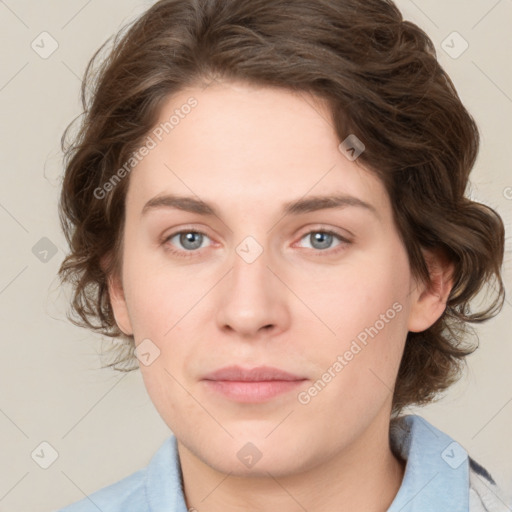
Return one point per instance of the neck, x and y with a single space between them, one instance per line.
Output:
364 476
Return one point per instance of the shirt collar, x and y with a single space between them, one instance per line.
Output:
164 485
437 469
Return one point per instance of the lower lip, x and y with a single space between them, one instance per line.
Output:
253 392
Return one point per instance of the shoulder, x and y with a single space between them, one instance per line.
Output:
127 495
484 493
157 486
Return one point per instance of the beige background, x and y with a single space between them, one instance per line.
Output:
102 424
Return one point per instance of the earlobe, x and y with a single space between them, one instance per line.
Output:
430 301
118 303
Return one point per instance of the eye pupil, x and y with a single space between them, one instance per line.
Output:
325 239
188 237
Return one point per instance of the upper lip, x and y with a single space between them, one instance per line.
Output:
257 374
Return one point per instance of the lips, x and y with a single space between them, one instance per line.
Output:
252 385
258 374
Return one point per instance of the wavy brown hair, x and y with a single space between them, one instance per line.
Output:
382 82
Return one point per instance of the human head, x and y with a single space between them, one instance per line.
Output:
380 79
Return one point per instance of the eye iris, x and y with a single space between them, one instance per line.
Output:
321 237
189 237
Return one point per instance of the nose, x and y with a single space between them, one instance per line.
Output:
252 300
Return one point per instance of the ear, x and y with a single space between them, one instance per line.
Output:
118 300
430 301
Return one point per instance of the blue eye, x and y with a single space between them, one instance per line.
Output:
322 239
190 240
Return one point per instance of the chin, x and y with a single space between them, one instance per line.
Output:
280 466
255 456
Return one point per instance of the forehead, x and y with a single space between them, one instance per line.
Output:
251 145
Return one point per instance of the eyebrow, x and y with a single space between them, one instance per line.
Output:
297 207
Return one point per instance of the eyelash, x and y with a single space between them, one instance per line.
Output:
191 254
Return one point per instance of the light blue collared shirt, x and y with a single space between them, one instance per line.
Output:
436 476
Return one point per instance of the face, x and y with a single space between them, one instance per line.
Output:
263 275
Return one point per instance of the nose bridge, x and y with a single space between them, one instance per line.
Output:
252 297
250 276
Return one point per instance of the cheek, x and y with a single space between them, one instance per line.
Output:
350 298
158 296
366 307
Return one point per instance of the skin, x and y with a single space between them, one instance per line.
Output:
297 306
